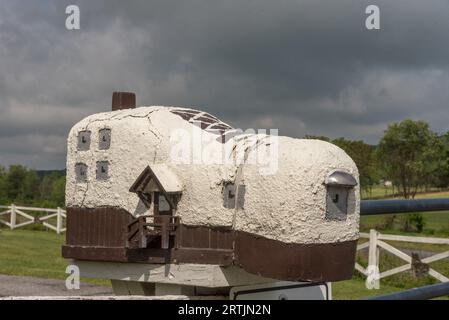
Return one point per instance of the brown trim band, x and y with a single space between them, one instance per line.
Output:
153 256
294 262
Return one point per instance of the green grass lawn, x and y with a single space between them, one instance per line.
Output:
34 253
436 223
355 289
379 192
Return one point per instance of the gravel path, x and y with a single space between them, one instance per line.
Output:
30 286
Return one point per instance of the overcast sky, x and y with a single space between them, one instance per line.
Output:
305 67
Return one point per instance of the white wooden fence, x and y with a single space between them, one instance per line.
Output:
376 242
13 212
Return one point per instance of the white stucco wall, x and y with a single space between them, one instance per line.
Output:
292 203
288 206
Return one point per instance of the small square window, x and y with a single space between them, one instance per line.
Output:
340 190
104 139
234 196
81 172
337 203
229 196
102 170
84 140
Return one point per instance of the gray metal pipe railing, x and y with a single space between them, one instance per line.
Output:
421 293
375 207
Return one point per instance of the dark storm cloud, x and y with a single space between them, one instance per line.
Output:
301 66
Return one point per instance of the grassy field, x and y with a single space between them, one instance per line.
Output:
34 253
437 223
355 289
379 192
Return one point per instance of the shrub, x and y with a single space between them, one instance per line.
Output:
387 223
413 222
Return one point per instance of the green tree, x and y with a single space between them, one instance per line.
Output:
441 175
3 196
364 156
30 188
23 186
58 191
14 182
408 152
46 187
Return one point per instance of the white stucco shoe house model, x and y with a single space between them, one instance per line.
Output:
152 188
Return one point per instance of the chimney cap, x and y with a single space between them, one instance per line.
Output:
123 100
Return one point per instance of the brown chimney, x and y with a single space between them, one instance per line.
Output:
123 100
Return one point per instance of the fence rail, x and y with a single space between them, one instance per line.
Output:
376 242
13 212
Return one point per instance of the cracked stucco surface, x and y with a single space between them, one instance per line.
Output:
291 205
288 206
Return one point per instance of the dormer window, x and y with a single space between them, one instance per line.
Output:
160 185
104 142
102 171
340 191
164 205
81 172
84 140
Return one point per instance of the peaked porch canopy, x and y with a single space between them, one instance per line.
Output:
157 178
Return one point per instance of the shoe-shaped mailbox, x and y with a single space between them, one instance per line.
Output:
171 185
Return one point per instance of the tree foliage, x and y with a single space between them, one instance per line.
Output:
410 154
363 155
23 186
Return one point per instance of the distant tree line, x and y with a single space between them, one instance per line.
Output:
23 186
409 154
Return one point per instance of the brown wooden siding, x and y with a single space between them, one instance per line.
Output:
106 227
205 238
100 227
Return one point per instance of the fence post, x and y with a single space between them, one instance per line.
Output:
59 221
373 256
372 281
13 217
